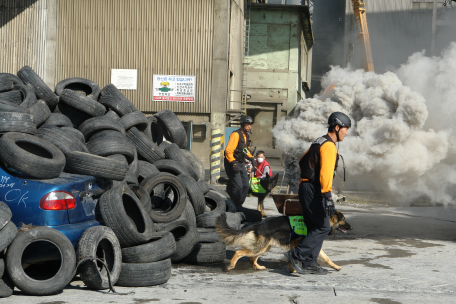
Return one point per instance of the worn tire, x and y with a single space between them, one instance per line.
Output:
6 86
112 115
172 128
40 112
170 166
186 237
99 242
77 84
59 120
234 220
195 194
97 166
230 207
34 156
5 215
161 246
61 139
143 196
173 152
35 287
207 251
98 124
195 163
6 106
113 99
42 91
153 130
144 146
203 186
7 235
74 133
12 96
165 144
6 286
133 170
110 142
145 274
28 96
122 211
146 169
134 119
209 233
82 103
10 77
16 122
165 213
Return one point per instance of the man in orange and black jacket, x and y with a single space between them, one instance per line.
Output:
318 167
236 152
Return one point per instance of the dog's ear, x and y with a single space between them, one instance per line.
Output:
276 177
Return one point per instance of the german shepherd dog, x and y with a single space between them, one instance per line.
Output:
257 239
268 183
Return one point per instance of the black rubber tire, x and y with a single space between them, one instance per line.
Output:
74 133
143 197
215 201
230 207
207 220
161 246
235 220
145 274
82 103
6 286
17 122
42 91
97 166
28 97
217 205
113 99
90 88
165 144
170 166
12 96
40 112
153 130
209 233
98 124
195 163
34 156
203 186
59 120
186 237
61 139
35 287
112 115
99 242
7 235
144 146
250 215
172 128
133 170
110 142
118 157
5 215
134 119
122 211
173 152
6 106
195 194
10 77
163 213
6 86
146 169
207 251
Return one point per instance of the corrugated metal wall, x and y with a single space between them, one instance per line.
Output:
171 37
22 35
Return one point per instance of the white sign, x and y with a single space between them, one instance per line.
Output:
124 79
174 88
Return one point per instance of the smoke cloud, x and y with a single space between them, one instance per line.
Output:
401 141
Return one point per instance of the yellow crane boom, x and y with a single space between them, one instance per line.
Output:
363 35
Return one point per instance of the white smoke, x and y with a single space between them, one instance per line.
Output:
402 139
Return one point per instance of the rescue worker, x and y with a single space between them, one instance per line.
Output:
318 167
236 152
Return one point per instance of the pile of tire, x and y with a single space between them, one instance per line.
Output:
159 210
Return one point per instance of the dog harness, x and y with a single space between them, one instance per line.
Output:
297 225
256 186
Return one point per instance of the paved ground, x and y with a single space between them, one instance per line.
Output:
393 255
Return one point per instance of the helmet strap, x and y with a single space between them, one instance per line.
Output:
337 134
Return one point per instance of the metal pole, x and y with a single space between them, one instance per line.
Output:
434 21
216 145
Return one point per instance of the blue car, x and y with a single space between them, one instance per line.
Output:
66 203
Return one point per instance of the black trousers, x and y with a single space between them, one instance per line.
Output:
317 223
238 184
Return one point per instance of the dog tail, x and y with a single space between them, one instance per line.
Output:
230 236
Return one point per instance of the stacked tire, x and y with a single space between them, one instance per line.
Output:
8 232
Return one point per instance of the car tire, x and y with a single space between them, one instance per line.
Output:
209 233
6 286
207 251
113 99
143 196
145 274
6 106
28 96
111 115
7 235
170 166
195 194
17 122
186 237
153 130
165 144
195 163
110 142
40 112
10 77
172 128
23 281
12 96
97 166
146 169
60 139
122 211
135 119
230 207
74 115
33 156
234 220
77 84
82 103
5 215
203 186
6 86
74 133
133 171
42 91
98 124
161 246
58 120
173 152
99 242
144 146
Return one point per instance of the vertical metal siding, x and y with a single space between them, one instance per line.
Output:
171 37
22 35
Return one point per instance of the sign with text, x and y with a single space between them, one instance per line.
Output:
174 88
124 79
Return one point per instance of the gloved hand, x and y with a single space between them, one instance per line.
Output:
253 161
329 204
236 168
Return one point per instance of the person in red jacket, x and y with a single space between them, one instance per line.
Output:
262 171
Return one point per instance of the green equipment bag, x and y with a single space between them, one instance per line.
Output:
256 186
297 225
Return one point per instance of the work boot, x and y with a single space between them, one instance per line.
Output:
314 269
297 265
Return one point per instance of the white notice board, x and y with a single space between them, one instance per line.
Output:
174 88
124 79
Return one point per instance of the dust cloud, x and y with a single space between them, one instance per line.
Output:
402 140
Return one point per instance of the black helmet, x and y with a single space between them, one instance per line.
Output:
245 119
339 119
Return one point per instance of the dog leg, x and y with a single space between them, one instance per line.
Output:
261 204
292 270
237 255
253 261
322 256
